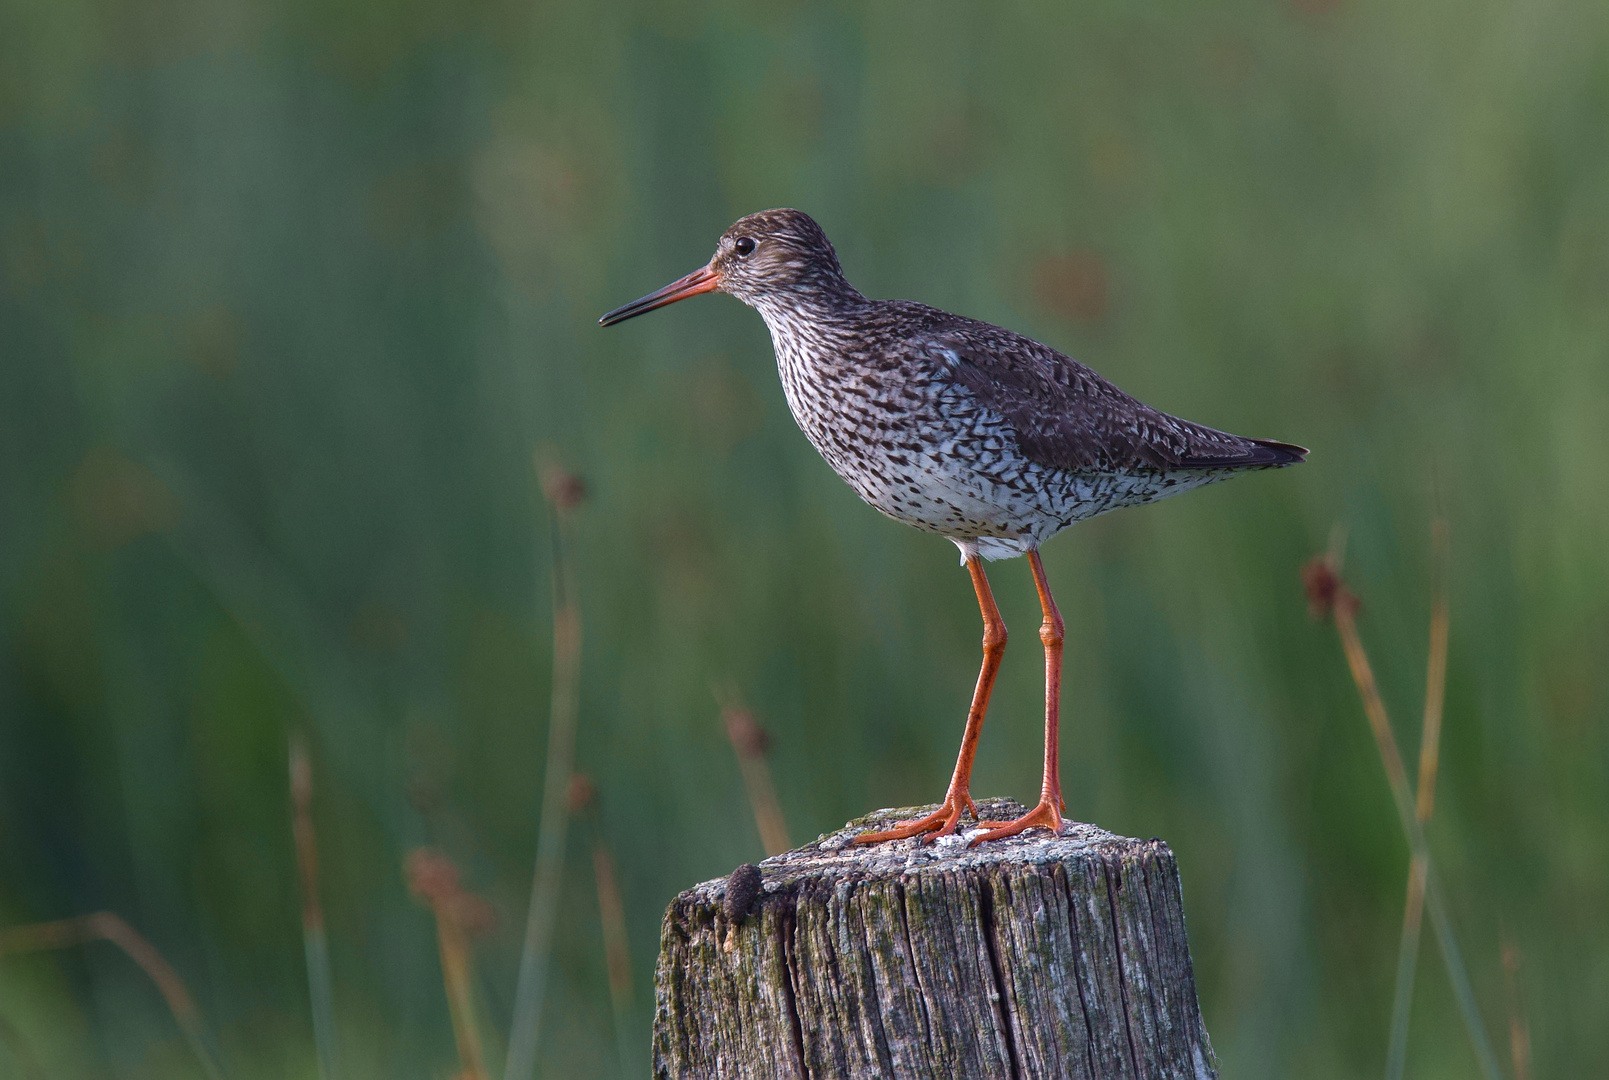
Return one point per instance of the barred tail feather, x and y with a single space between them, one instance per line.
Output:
1259 454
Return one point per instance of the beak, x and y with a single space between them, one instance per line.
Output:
702 280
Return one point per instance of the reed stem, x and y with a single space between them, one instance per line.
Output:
433 878
583 802
1424 805
1435 678
751 742
1519 1028
1407 962
455 976
565 493
106 926
1327 592
612 914
320 994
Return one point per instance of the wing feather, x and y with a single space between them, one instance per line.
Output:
1066 416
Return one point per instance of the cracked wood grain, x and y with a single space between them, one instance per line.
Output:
1031 957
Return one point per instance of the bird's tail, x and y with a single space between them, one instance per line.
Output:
1249 454
1269 452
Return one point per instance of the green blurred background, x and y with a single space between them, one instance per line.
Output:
291 294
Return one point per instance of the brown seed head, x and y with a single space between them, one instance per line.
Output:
564 489
1325 590
581 793
748 738
301 770
433 879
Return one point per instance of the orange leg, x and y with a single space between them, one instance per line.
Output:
958 798
1048 814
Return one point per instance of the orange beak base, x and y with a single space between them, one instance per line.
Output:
702 280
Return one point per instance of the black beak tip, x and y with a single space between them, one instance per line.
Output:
628 311
699 281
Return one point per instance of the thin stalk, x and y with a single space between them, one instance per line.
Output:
612 914
1458 976
1328 592
1519 1029
750 741
454 947
1435 680
1374 708
583 800
320 995
106 926
1424 806
1407 961
565 493
433 878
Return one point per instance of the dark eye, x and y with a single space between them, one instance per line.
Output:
743 245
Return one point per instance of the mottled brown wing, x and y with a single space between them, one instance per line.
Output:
1068 417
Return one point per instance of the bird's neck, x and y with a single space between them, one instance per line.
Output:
812 312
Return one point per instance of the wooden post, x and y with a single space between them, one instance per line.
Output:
1037 956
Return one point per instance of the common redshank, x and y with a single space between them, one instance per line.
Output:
963 429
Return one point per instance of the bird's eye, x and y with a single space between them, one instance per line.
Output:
743 245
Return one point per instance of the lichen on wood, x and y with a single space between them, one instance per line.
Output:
1036 956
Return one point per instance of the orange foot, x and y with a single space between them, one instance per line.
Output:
1043 816
941 822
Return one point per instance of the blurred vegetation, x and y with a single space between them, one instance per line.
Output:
292 293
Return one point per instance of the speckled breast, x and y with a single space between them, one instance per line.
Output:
921 450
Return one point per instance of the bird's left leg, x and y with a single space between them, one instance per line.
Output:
958 798
1048 814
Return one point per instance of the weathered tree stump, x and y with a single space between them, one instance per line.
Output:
1037 956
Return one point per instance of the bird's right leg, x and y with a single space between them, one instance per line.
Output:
943 821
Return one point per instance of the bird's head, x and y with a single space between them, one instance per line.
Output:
775 256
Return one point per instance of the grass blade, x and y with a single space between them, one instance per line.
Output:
611 916
565 493
1328 594
1519 1029
751 742
1458 976
320 994
1435 679
1407 961
1424 805
106 926
433 878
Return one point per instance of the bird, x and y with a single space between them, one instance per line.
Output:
963 429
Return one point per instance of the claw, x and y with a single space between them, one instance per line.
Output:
1043 816
941 822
